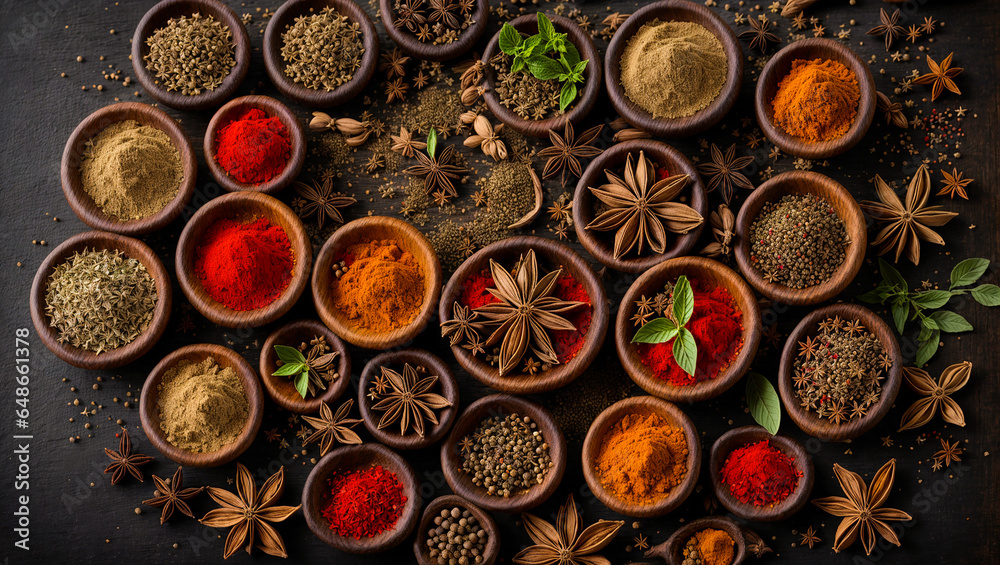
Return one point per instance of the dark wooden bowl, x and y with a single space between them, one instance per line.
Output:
741 437
157 17
280 389
284 17
149 412
613 414
822 428
81 202
652 282
674 10
356 457
672 550
427 51
601 244
502 405
296 137
588 93
551 254
242 206
846 207
373 228
779 66
434 509
447 387
125 354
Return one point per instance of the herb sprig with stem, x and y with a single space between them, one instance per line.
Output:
664 329
304 371
547 55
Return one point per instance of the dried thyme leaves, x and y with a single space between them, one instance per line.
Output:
506 455
191 54
100 300
323 50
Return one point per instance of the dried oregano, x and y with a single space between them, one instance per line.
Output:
322 50
191 54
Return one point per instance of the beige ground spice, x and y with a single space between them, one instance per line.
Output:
203 407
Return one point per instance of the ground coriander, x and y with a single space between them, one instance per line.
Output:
202 406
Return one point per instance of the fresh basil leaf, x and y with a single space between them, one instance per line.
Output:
579 68
891 275
930 324
686 351
950 322
987 294
544 68
900 311
683 300
572 55
928 348
432 141
545 28
763 401
926 327
289 354
302 383
658 330
932 298
968 272
510 39
873 296
290 369
567 95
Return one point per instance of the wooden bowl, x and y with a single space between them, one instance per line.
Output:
82 203
242 206
502 405
372 228
672 550
427 51
356 457
551 254
447 387
149 412
446 502
780 65
284 17
652 282
674 10
280 389
747 435
808 327
125 354
586 97
821 186
645 405
601 244
157 17
272 107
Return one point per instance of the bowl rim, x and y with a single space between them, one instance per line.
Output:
150 394
486 521
280 393
674 544
274 108
427 51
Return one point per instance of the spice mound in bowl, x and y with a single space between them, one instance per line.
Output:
642 458
191 54
202 407
322 50
817 100
709 546
378 286
253 147
760 474
506 455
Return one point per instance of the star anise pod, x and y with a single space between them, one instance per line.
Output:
614 20
322 201
527 311
332 428
124 461
937 395
442 11
567 150
250 513
641 210
809 537
437 170
949 452
941 77
409 400
394 63
889 27
404 144
723 223
567 542
906 224
862 509
172 497
954 184
893 111
395 90
409 15
461 326
760 34
724 171
487 138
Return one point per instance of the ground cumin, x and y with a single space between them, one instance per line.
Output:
642 458
383 288
817 100
203 407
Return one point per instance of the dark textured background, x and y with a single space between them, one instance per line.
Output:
77 515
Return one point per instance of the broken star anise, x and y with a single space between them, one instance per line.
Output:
124 461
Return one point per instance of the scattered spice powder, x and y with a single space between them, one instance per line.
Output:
253 147
203 407
817 100
383 287
363 503
642 458
760 474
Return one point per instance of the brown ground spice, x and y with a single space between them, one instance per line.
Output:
203 407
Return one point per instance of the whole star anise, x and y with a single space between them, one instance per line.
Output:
567 150
949 452
124 461
954 184
409 400
409 14
172 496
889 27
322 201
461 326
437 170
442 11
567 542
760 34
937 395
404 144
723 171
941 77
333 428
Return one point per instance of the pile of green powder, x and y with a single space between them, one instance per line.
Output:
203 407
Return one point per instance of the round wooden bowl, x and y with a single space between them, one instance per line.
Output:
822 428
242 206
272 107
672 550
846 207
645 405
284 17
778 68
684 11
652 282
84 206
502 405
601 244
446 502
447 387
280 389
125 354
359 457
586 97
149 412
430 52
551 254
373 228
747 435
157 17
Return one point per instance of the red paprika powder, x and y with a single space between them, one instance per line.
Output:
363 503
760 474
244 266
253 148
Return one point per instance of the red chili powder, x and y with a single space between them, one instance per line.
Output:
253 148
760 474
244 266
718 330
363 503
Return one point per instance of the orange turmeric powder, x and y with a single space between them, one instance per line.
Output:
642 458
383 288
715 547
817 100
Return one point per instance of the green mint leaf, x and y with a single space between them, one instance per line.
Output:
290 369
567 95
531 44
432 141
656 331
900 311
987 294
686 351
545 28
544 68
683 301
289 354
579 68
572 54
891 275
764 404
510 39
968 272
516 65
950 322
302 383
927 349
932 299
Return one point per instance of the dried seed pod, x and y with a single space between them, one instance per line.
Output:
468 117
321 121
472 94
358 140
619 123
351 127
629 134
